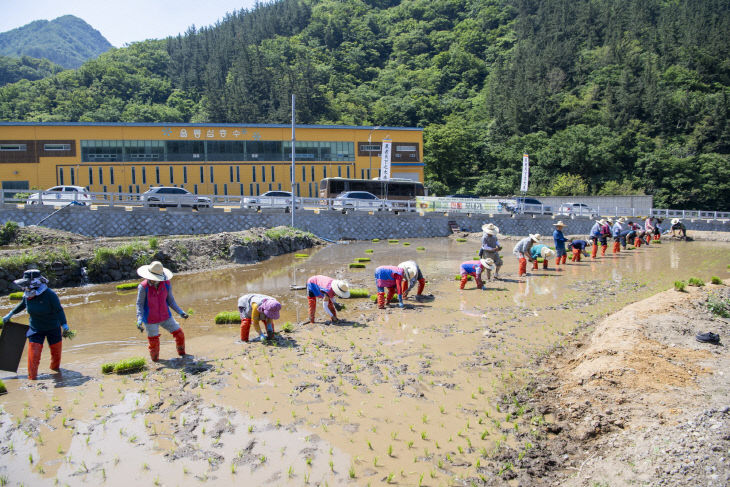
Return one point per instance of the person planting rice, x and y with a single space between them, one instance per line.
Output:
578 247
559 240
326 288
595 236
628 234
475 268
605 233
638 235
678 229
658 229
491 247
395 280
416 276
522 252
649 225
255 308
154 300
47 320
616 231
543 251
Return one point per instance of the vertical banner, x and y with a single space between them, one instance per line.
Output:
385 160
525 173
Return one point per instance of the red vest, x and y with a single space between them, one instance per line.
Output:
156 310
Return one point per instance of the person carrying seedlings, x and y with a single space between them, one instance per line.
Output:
491 247
475 268
678 228
154 300
47 320
326 288
605 233
649 225
522 252
255 308
416 276
578 247
616 231
638 235
595 236
395 280
541 251
559 240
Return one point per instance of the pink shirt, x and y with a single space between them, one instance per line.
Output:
320 285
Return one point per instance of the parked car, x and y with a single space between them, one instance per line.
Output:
529 206
270 199
360 200
61 196
162 196
579 209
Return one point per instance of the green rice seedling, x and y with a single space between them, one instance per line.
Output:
410 444
420 481
227 318
375 240
389 479
420 248
656 241
154 243
332 466
695 281
107 368
374 298
3 389
458 277
356 265
126 286
630 247
16 296
406 244
301 256
680 286
716 280
351 472
369 251
461 240
362 259
288 327
375 461
390 450
393 241
290 472
359 293
129 365
424 436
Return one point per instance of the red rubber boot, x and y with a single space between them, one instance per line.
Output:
464 279
421 286
534 265
312 308
603 250
56 356
34 359
245 329
381 300
179 341
564 258
545 263
389 296
522 268
154 347
616 247
594 251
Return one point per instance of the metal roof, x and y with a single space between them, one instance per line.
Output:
245 125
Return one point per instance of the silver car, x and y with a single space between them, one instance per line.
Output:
61 196
270 199
577 209
162 196
359 200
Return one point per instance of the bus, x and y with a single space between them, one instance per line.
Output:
386 189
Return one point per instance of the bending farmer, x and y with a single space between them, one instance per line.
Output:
47 320
416 276
258 307
395 280
522 252
475 268
325 287
154 300
541 251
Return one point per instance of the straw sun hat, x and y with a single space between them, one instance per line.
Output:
535 237
410 267
155 272
559 224
487 264
546 252
490 229
675 221
341 288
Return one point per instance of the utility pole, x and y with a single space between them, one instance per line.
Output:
293 157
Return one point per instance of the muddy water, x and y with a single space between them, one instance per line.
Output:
409 393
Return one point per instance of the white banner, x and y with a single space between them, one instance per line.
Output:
385 160
525 173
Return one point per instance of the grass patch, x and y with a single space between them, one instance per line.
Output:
695 281
392 240
126 366
301 256
719 306
680 286
127 285
420 248
3 389
459 276
154 243
375 240
16 296
362 259
357 265
370 251
227 318
374 298
359 293
8 232
461 240
406 244
288 327
716 280
104 255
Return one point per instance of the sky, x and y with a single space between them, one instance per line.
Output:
123 21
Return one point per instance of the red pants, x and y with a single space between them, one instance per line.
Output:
648 239
637 242
465 278
522 267
594 251
544 264
576 255
616 247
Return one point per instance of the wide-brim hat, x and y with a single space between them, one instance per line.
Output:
270 307
601 221
535 237
410 267
675 221
490 229
28 277
559 224
341 288
488 264
622 220
546 252
155 272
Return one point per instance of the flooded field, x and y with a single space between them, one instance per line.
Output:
408 397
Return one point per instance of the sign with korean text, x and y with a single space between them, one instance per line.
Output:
525 173
385 159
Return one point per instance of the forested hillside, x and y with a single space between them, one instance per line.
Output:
14 69
67 41
607 96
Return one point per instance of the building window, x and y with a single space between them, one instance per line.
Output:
253 175
250 189
240 187
273 174
172 176
279 186
339 171
111 177
324 172
13 147
120 188
157 174
211 174
314 178
137 189
134 177
60 176
263 174
73 177
215 189
101 176
238 174
56 147
304 173
104 189
144 175
185 174
130 189
195 188
202 175
348 171
225 189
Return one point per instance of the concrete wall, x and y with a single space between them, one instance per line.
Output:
112 222
642 204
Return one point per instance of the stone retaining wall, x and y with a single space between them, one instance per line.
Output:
334 225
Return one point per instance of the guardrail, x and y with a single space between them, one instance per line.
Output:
710 215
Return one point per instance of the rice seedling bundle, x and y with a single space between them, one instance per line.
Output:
227 318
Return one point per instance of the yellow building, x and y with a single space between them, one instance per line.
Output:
222 159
